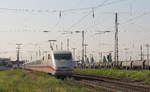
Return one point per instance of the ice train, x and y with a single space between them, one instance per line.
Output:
59 63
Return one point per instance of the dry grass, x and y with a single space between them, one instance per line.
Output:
21 81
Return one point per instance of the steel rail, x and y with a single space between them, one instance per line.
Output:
111 84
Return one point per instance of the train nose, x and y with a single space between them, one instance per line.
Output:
64 71
63 68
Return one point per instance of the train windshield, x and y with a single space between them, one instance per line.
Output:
66 56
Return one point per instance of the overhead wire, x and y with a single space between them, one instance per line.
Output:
136 18
57 23
131 19
114 2
79 21
54 11
60 12
104 3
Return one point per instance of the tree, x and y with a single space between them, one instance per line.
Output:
109 57
92 60
104 59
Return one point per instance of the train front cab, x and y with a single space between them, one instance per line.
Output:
64 64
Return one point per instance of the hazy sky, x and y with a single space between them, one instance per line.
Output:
22 21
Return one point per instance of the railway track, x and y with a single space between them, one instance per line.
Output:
111 84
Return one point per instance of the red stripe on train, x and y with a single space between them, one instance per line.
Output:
49 67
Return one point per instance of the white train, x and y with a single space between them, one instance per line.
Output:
59 63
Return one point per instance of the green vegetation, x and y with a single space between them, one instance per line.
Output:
137 75
23 81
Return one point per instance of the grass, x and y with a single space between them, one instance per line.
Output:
22 81
137 75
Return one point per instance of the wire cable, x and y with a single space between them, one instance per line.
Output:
135 18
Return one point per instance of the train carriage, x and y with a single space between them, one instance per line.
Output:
138 64
59 63
127 64
146 64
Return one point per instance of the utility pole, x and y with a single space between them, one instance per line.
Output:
130 58
85 51
36 52
68 44
74 52
61 45
56 47
18 53
39 52
147 46
30 55
82 46
51 43
141 52
116 40
83 32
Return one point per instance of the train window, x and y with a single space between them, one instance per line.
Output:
49 56
63 56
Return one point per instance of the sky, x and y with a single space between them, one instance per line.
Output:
23 21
